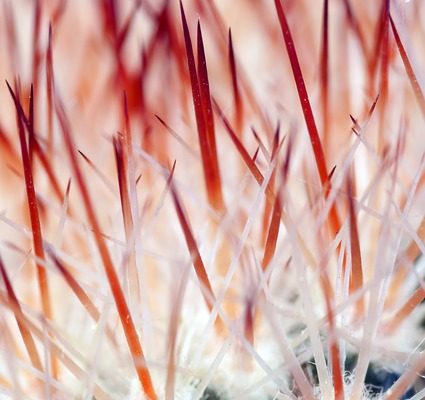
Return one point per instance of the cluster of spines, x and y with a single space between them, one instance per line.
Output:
204 106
